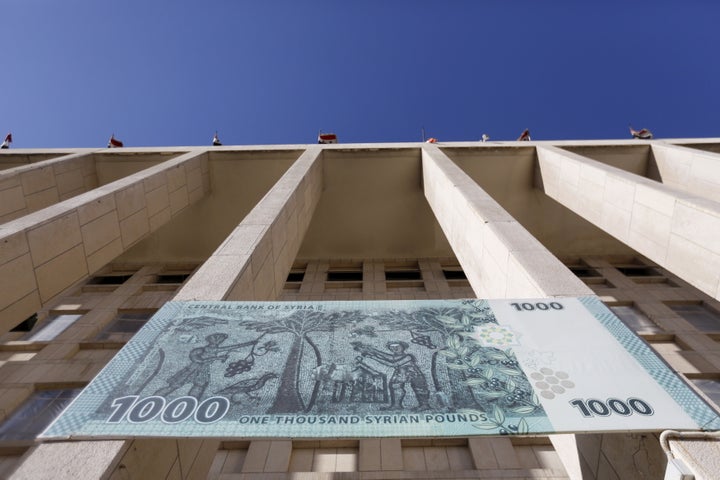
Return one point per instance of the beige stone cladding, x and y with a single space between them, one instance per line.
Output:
28 188
679 322
47 251
482 241
678 230
691 170
429 282
489 242
254 260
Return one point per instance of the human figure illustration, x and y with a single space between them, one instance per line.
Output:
405 370
198 371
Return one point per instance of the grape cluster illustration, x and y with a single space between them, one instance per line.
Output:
241 366
246 364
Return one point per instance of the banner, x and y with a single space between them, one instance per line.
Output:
382 369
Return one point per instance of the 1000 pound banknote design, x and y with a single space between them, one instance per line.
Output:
368 369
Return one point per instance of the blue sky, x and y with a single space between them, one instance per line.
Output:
275 72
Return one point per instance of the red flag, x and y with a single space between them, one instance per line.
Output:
327 138
431 140
524 136
642 134
114 142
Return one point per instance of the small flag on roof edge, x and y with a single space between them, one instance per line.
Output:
524 136
642 134
327 138
114 142
7 142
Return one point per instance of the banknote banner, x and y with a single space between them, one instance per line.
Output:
382 369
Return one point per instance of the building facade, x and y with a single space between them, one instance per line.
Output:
94 241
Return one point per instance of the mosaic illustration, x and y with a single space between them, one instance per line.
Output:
326 369
315 362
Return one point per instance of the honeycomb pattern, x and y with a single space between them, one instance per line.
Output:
551 383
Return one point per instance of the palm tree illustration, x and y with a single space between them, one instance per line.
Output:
300 324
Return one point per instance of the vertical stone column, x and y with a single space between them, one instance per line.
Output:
660 222
500 258
374 286
688 169
377 454
47 251
254 260
251 264
677 230
28 188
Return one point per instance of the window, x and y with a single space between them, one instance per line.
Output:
639 271
709 387
642 274
405 279
635 319
54 326
347 278
454 273
344 276
589 275
125 323
33 416
26 325
170 278
167 281
584 272
296 276
699 316
109 279
294 279
404 274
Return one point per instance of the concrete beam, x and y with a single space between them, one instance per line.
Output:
688 169
698 451
677 230
500 258
254 260
70 460
261 249
47 251
29 188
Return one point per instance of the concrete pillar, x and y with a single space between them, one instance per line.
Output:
251 264
378 454
28 188
268 456
621 456
500 258
47 251
70 460
698 452
254 260
677 230
690 170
